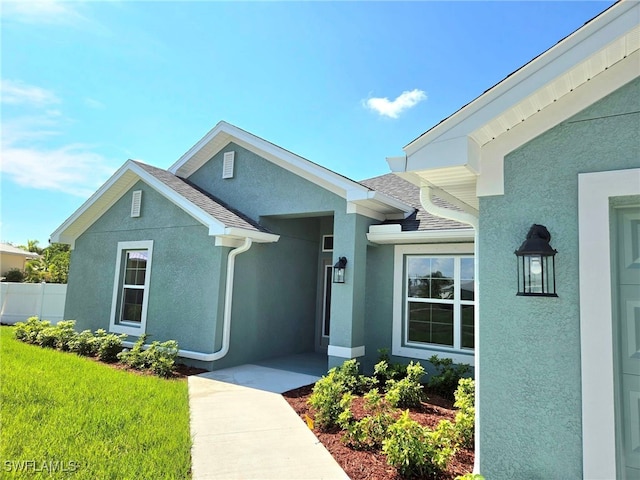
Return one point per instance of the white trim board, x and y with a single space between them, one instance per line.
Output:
596 328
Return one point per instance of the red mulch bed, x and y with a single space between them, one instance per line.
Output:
364 465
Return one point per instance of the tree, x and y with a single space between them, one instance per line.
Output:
32 246
51 267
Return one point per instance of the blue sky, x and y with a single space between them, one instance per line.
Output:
87 85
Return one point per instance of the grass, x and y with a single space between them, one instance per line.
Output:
64 416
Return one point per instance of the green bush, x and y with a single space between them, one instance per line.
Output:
47 337
65 334
325 399
161 357
135 358
14 275
445 381
28 331
416 451
385 371
465 417
406 392
108 345
84 344
158 357
470 476
369 432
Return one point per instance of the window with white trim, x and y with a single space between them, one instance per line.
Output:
439 308
131 287
434 301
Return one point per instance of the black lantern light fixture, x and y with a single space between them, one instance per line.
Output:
536 264
338 270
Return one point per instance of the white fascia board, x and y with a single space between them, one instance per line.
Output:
215 226
353 207
577 47
107 195
462 235
271 152
459 151
321 176
491 178
211 134
61 234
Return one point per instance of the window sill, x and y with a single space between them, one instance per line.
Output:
425 352
129 328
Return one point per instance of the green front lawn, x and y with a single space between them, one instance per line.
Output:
64 416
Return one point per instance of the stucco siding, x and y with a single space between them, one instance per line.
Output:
261 188
379 303
185 290
530 347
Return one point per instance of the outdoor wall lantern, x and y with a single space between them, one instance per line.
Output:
338 270
536 264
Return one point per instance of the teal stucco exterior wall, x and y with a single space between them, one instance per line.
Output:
186 265
277 286
530 384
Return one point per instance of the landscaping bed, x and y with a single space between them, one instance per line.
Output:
372 463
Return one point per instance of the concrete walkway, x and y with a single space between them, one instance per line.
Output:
242 428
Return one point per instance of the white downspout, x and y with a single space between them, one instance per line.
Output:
228 300
426 194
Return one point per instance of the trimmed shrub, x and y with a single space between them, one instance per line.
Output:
28 331
108 345
84 344
465 417
416 451
369 432
445 381
406 392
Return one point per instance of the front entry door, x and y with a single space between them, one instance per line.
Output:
324 323
627 325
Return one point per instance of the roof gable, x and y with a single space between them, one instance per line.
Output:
464 153
360 196
220 219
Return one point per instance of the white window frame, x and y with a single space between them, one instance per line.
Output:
400 346
130 328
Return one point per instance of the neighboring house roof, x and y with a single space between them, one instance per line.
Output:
371 203
8 249
222 221
463 155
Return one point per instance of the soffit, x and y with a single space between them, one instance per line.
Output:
560 86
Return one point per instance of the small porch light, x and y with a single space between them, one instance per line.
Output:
536 264
338 270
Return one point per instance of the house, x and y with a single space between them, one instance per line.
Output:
13 258
556 143
231 252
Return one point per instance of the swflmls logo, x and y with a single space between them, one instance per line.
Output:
49 466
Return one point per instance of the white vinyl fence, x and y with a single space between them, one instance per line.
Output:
19 301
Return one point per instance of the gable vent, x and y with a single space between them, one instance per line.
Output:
227 164
136 203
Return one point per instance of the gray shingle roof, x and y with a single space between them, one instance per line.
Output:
204 200
407 192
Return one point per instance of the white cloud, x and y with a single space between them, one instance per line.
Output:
29 159
393 109
42 12
19 93
72 169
